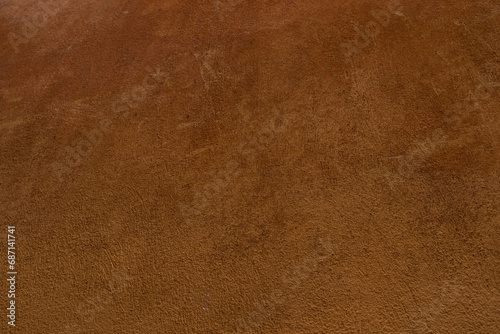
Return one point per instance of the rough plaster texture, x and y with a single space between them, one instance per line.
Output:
252 166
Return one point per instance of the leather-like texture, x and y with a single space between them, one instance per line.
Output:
241 166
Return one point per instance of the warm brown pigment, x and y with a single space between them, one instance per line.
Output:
237 166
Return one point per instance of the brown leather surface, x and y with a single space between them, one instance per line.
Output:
243 166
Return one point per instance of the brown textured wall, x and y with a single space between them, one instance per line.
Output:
241 166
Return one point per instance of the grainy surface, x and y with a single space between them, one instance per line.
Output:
251 166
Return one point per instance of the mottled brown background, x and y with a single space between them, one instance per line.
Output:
269 183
